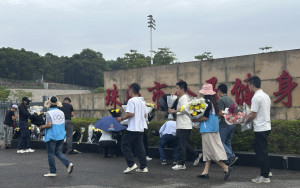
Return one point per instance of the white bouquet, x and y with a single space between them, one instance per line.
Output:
248 125
194 109
170 101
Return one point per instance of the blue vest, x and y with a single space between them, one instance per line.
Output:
57 131
212 124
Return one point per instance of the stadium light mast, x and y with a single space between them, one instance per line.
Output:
151 25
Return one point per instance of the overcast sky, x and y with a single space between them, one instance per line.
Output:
113 27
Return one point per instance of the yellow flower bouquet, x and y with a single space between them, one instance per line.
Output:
195 108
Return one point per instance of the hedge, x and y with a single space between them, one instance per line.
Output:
284 137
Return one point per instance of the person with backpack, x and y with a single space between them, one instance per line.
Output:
10 117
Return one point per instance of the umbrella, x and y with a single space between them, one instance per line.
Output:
109 123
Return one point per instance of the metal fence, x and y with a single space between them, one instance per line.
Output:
4 107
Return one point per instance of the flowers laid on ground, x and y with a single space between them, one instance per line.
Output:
234 114
195 108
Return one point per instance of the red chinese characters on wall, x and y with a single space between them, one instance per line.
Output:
127 94
111 97
286 85
242 91
157 93
213 81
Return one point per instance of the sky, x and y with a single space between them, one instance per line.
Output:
188 27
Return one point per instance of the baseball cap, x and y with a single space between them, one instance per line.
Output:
14 106
26 99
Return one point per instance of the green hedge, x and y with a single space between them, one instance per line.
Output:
284 137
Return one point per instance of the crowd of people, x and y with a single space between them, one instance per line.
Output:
216 134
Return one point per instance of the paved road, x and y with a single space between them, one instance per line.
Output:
94 171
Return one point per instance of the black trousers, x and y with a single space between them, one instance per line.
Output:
24 140
261 150
145 140
182 137
109 147
132 139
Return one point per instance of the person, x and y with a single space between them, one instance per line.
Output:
167 134
24 115
260 114
212 147
133 136
109 144
55 134
226 131
183 129
67 108
10 117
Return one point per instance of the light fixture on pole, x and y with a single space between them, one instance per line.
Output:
151 25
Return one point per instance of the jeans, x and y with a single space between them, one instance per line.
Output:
182 137
55 148
69 134
24 140
170 140
226 134
261 150
135 139
8 133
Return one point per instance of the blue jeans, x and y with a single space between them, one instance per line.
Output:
164 140
55 148
226 134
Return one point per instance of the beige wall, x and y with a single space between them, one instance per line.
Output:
268 67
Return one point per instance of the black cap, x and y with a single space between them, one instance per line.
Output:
26 99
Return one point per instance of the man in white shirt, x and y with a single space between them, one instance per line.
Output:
133 136
183 129
260 114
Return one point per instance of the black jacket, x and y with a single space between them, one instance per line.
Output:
23 113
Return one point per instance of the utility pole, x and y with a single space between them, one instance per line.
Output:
151 25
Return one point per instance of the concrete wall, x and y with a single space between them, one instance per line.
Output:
268 67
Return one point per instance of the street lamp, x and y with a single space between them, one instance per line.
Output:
151 25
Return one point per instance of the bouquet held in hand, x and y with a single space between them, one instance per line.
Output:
234 114
195 108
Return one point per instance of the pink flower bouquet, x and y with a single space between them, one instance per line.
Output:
234 115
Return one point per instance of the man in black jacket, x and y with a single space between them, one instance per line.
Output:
24 140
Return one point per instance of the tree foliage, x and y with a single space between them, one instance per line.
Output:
4 93
163 56
204 56
265 49
17 95
133 59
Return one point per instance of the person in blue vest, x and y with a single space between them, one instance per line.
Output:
55 134
212 147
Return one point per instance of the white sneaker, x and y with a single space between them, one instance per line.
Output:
50 175
148 158
21 151
196 162
261 179
270 174
145 170
179 167
70 168
29 150
129 169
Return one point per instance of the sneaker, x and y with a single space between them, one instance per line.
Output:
21 151
50 175
70 168
29 150
164 162
261 179
179 167
270 174
145 170
227 174
233 160
74 151
129 169
196 162
148 158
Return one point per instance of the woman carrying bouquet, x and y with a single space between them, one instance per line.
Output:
212 147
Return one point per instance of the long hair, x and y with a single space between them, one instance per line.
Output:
213 100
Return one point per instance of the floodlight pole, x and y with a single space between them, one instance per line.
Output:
151 25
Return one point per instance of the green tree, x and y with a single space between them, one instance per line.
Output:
265 49
135 59
204 56
117 64
17 95
163 57
4 93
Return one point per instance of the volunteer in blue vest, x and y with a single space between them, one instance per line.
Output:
212 147
54 136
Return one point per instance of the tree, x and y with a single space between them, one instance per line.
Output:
135 59
117 64
265 49
17 95
4 93
163 57
204 56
